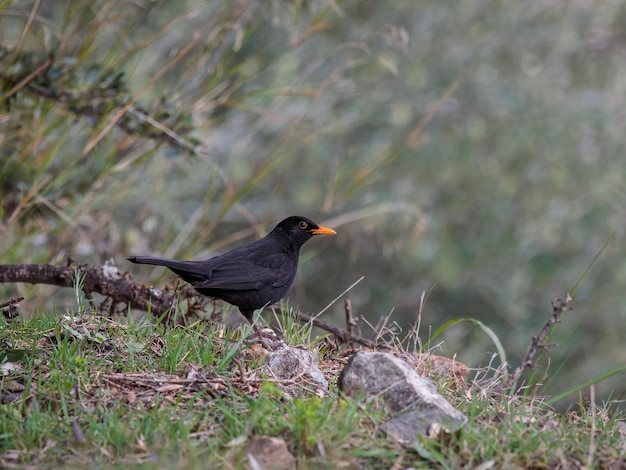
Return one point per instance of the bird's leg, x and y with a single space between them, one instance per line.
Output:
267 337
249 314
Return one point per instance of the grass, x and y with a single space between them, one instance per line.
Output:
89 390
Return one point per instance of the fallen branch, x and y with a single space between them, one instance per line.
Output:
104 280
121 288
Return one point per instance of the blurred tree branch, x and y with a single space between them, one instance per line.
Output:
90 91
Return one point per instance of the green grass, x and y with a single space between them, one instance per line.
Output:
91 390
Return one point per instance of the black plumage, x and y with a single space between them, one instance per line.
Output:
253 275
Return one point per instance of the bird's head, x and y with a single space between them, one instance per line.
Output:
300 229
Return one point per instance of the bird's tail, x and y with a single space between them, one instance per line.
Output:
188 270
170 263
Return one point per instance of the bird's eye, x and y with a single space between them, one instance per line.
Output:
303 225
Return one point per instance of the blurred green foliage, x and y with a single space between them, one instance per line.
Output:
473 150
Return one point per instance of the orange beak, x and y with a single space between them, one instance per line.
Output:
323 231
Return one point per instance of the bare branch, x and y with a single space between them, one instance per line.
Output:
342 334
538 342
105 280
121 288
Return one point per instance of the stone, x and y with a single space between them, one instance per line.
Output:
411 401
300 365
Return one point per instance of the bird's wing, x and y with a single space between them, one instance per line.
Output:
241 274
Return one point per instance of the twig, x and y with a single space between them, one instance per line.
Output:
538 342
342 334
10 309
592 440
350 321
28 78
12 302
412 139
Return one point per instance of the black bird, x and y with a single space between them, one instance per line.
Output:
250 276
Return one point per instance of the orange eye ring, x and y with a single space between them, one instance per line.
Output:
303 225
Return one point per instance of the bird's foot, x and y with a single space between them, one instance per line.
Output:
268 338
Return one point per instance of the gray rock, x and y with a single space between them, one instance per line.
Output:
300 366
412 401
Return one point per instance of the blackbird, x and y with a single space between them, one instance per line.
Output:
250 276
